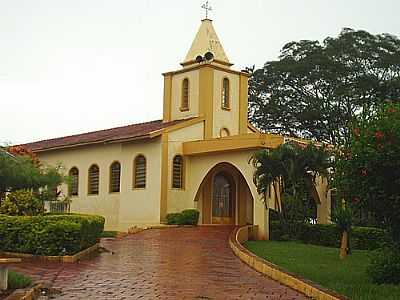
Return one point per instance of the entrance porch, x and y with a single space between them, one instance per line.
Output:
224 197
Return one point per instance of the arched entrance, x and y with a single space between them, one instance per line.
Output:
223 199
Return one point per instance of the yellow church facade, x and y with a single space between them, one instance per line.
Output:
197 156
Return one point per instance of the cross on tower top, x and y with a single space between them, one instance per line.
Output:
207 8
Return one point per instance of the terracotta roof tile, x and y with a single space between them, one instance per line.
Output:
140 130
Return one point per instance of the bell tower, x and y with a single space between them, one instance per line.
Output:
207 87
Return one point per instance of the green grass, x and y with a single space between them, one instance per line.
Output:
323 266
17 280
109 234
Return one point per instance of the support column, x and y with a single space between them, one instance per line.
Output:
261 218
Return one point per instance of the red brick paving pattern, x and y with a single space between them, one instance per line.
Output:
176 263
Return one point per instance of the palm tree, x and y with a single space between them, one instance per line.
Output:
291 169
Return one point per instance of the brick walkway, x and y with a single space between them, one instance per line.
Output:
178 263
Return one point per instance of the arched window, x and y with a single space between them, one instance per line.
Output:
74 184
177 172
225 94
185 94
115 177
93 186
139 167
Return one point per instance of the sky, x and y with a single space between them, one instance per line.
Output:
73 66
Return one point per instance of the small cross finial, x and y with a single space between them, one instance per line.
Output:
207 8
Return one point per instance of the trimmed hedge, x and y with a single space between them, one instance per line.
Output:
186 217
64 234
362 238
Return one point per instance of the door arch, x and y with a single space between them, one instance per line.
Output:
241 199
223 199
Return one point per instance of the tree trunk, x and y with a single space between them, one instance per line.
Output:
344 246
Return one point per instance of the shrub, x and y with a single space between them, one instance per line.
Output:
21 203
186 217
49 234
174 218
385 266
362 238
190 217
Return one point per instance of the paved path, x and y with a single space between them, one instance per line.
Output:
178 263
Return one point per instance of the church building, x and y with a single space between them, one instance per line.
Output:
196 156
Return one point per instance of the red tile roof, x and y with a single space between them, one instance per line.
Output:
134 131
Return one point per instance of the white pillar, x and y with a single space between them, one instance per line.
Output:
3 277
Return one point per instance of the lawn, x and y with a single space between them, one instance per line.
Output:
17 280
323 266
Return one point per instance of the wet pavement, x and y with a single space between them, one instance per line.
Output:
175 263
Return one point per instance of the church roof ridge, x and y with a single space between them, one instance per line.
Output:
104 135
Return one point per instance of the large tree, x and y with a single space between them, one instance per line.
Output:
316 90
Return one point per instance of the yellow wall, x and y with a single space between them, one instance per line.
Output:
201 165
176 95
179 199
130 206
226 118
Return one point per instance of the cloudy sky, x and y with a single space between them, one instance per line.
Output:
72 66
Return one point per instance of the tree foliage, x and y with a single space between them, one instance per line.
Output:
20 172
317 90
292 170
368 172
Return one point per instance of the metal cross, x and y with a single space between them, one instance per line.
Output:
207 8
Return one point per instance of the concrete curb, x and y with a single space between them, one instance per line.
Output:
26 294
306 287
63 259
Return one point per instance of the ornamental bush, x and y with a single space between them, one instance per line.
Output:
361 238
49 234
368 171
21 203
186 217
174 218
385 266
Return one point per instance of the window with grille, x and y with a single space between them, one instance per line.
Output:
74 183
185 94
93 188
177 172
115 177
225 94
139 172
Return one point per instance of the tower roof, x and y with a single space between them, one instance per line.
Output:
206 40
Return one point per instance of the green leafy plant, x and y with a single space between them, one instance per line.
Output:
343 218
368 171
385 266
186 217
52 234
328 235
291 170
21 203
